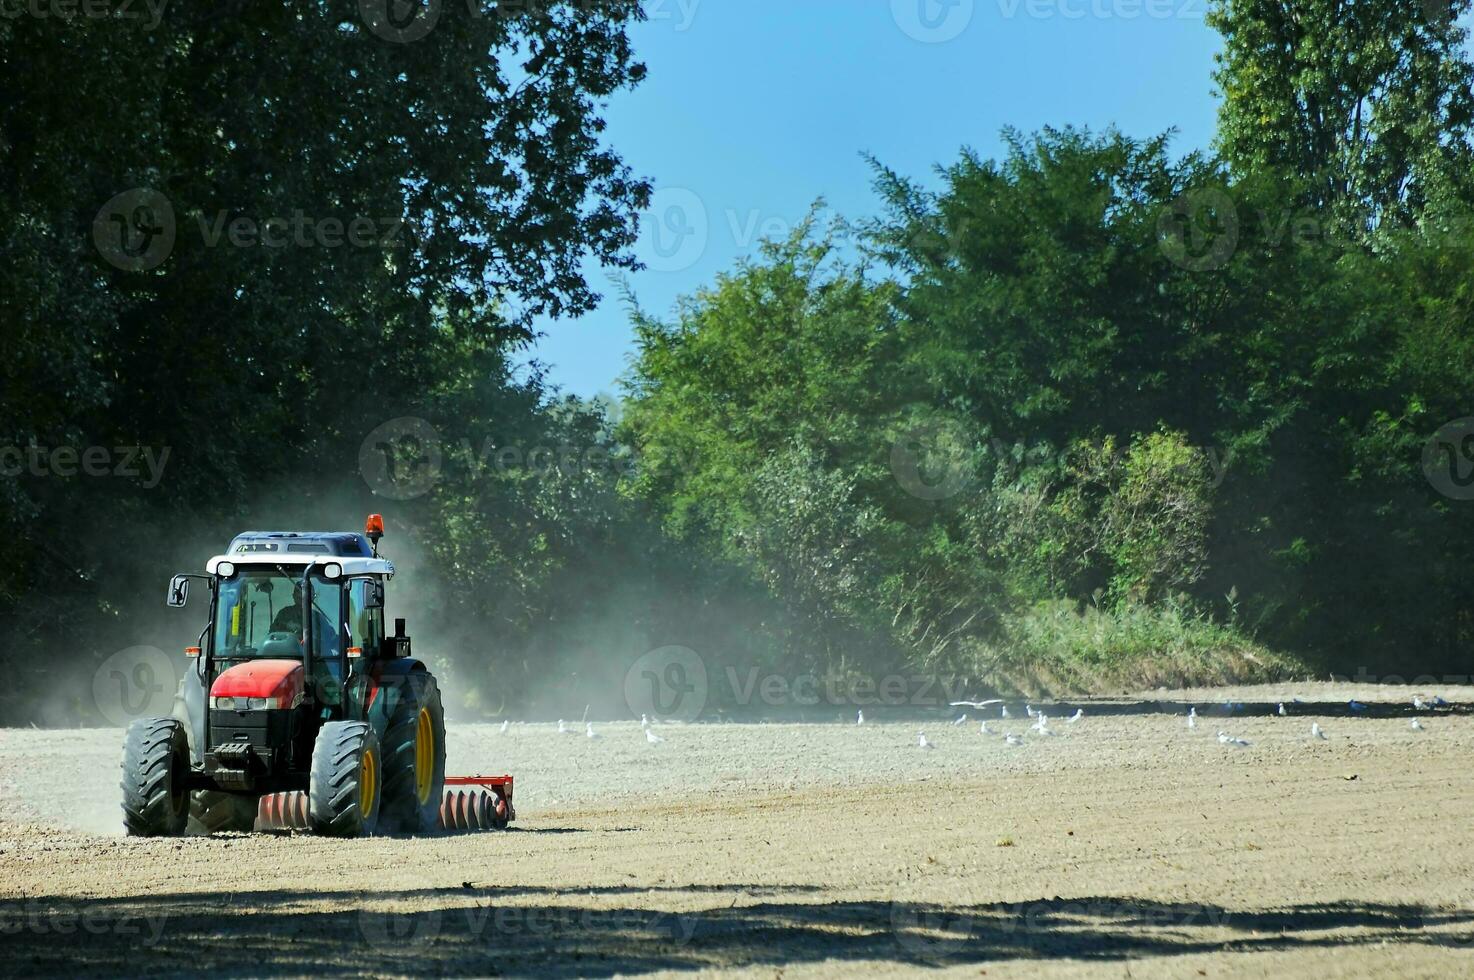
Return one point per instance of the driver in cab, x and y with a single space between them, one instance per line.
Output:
289 620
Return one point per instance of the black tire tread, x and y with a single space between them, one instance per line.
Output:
333 799
402 812
151 760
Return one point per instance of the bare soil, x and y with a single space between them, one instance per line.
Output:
1125 845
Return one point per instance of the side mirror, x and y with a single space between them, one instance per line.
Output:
373 595
178 591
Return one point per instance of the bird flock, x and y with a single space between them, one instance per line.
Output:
1041 722
1040 727
1317 733
564 728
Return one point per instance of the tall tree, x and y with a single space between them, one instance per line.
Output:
253 232
1367 104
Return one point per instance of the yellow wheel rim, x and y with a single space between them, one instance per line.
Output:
424 757
368 779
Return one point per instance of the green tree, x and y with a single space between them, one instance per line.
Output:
351 229
1367 106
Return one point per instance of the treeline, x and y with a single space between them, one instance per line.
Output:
1087 415
1033 439
1083 416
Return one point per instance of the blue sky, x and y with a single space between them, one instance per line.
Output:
755 108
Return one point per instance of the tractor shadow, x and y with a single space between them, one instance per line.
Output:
489 931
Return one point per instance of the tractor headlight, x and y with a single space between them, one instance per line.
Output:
332 570
225 569
246 704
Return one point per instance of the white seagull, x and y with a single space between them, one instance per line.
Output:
652 738
645 722
1317 732
1226 739
922 742
1192 717
860 717
563 728
1003 712
1013 739
978 705
1079 713
1030 709
985 730
1416 725
961 720
588 730
1283 712
505 724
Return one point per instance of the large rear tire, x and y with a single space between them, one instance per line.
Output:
214 812
155 765
346 780
414 755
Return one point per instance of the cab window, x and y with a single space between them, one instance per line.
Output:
365 626
252 607
327 629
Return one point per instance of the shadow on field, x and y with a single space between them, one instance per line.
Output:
490 931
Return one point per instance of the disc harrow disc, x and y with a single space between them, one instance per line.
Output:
282 811
463 812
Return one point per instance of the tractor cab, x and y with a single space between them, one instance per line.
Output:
325 612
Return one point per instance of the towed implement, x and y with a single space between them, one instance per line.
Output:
299 711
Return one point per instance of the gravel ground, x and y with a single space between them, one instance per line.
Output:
1125 845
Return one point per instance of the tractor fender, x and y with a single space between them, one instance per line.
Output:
383 691
189 711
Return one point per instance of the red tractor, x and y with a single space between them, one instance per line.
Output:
300 712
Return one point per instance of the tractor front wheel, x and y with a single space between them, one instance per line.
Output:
155 764
214 812
346 780
414 755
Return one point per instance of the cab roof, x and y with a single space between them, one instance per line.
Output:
352 565
285 544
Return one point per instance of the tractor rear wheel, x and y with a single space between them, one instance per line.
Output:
214 812
346 780
414 755
155 764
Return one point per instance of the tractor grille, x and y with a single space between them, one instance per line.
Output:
264 730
